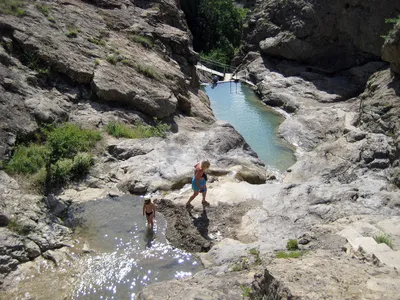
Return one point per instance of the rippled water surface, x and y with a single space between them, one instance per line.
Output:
129 255
237 104
123 256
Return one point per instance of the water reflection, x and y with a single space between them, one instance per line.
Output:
149 237
127 254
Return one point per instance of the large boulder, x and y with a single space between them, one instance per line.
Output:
329 33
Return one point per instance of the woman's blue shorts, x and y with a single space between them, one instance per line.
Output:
194 185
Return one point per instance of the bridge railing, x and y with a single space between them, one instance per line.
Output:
217 66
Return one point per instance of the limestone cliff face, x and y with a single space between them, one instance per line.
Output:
59 54
332 34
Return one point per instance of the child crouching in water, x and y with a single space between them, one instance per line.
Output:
150 210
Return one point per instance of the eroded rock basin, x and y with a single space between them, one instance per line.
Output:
114 255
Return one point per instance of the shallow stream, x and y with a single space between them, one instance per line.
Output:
123 255
237 104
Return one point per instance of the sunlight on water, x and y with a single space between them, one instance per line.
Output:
128 255
237 104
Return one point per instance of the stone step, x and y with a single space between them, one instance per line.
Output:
364 242
349 233
371 249
391 259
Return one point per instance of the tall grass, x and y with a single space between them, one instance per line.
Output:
384 238
143 40
137 131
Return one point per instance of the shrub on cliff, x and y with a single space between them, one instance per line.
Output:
393 21
62 155
28 159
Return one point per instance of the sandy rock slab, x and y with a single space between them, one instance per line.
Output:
326 275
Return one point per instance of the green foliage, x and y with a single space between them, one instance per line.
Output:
67 169
384 238
12 7
246 291
218 55
60 158
66 140
290 254
143 40
81 165
13 225
60 171
393 21
28 159
98 42
96 62
44 9
138 131
146 71
217 25
72 32
292 245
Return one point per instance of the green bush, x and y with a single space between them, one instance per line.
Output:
12 7
60 159
66 140
143 40
292 245
61 171
67 169
28 159
137 131
81 165
384 238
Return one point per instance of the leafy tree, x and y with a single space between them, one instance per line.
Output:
216 26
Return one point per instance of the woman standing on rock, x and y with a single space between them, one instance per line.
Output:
199 182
